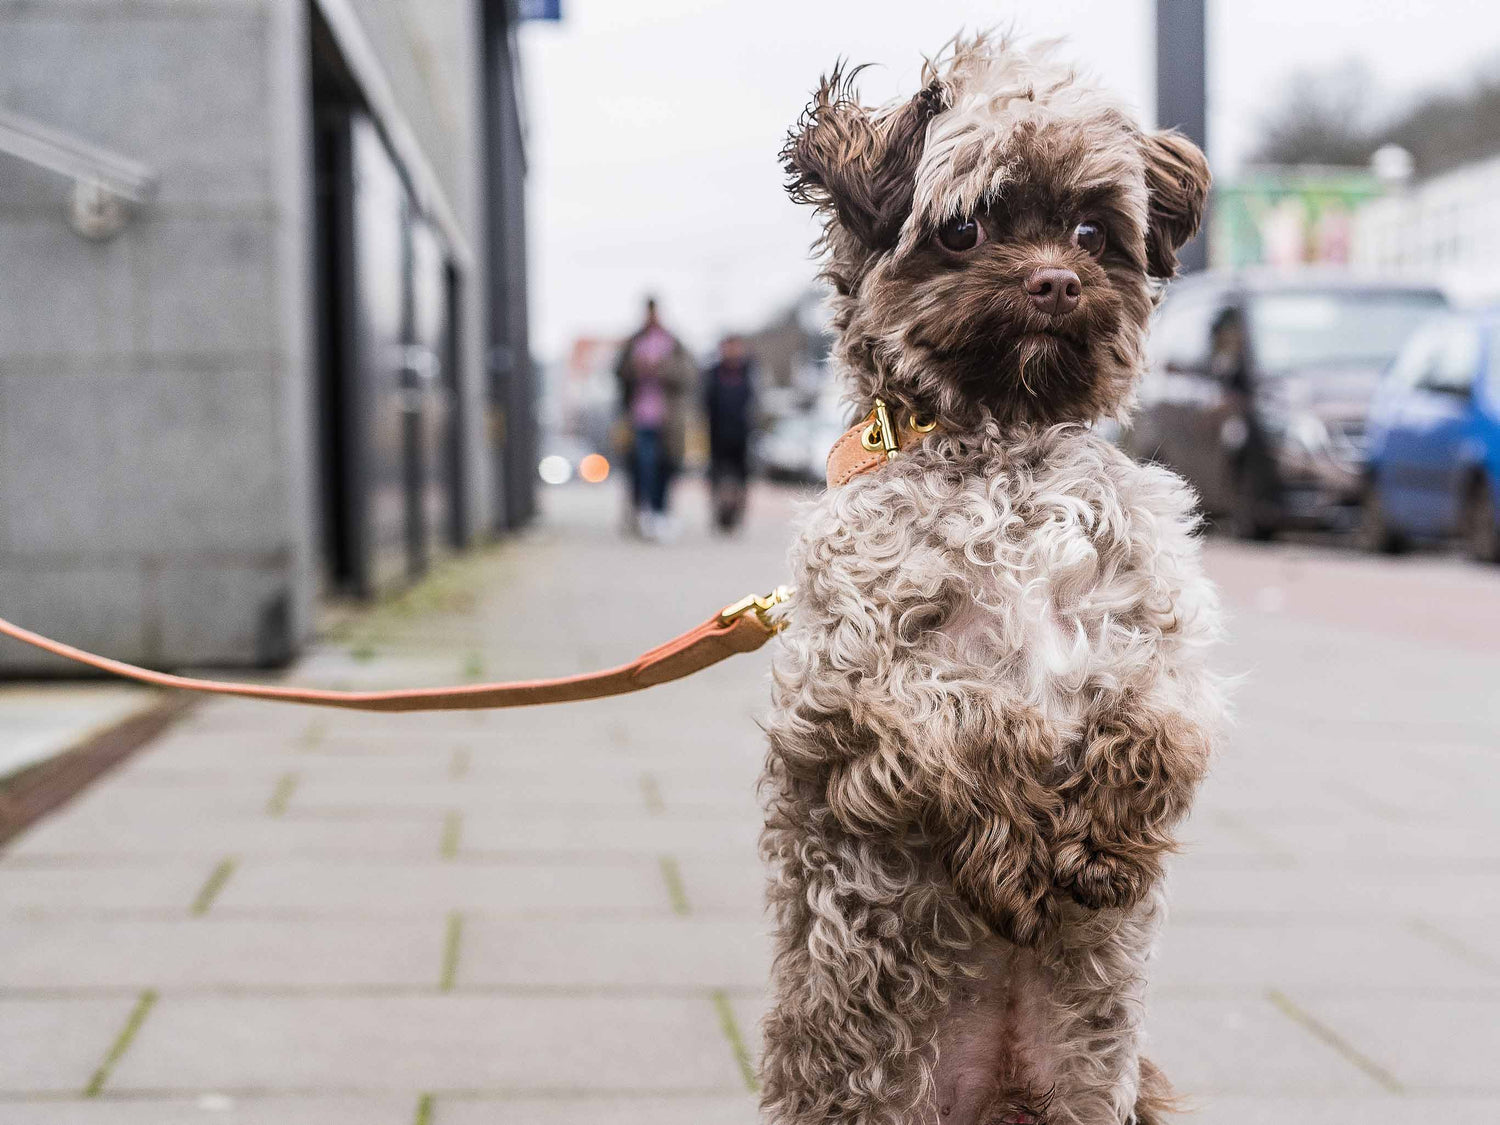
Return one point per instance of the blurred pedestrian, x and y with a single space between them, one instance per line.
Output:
656 376
729 401
1226 360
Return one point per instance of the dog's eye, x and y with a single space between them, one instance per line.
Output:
961 234
1089 237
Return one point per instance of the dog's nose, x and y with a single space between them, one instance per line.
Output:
1055 291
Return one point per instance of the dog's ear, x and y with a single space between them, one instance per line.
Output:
858 163
1177 180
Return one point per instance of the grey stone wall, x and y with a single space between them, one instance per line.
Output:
152 490
157 390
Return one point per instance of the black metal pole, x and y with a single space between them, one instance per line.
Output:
1182 89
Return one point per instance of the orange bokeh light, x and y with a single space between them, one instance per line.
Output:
594 468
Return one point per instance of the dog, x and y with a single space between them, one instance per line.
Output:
991 702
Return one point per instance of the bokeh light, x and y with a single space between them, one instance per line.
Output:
555 469
594 468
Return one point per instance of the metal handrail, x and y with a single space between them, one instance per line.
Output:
85 163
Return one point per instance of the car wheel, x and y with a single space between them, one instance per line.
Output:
1375 534
1481 527
1248 518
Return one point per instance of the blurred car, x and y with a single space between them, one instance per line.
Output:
795 446
1259 387
781 453
1434 450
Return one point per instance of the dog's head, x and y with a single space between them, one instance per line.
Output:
997 243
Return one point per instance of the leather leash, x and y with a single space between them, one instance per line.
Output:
742 626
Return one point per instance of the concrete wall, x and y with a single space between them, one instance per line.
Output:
156 390
150 385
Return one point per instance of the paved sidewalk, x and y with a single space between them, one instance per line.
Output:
553 916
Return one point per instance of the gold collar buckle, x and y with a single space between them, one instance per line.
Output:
880 436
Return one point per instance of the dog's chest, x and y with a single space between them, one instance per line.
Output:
1031 576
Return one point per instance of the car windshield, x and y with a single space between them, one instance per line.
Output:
1292 331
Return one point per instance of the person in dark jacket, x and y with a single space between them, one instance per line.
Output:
729 401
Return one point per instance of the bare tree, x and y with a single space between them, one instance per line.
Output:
1444 130
1330 117
1320 118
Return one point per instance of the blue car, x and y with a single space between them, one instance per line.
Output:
1434 440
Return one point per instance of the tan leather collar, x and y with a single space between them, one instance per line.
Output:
874 441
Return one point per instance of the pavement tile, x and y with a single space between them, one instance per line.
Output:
238 718
187 742
52 890
1263 1110
635 832
1429 1043
226 766
1476 938
169 804
209 952
1230 842
728 887
106 839
1381 843
579 788
750 1010
214 1109
1318 955
1197 887
55 1045
667 953
415 1043
194 789
353 792
729 1109
625 886
1241 1044
1263 800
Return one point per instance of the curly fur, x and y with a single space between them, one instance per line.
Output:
992 705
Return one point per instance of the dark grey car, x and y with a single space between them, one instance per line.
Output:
1258 389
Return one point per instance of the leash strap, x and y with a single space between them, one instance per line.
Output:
741 627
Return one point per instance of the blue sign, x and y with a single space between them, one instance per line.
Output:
541 9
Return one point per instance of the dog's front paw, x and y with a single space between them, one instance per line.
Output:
1104 880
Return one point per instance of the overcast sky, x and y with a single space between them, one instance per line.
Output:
654 124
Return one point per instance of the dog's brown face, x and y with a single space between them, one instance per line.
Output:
997 243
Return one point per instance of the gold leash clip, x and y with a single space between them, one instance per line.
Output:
759 604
